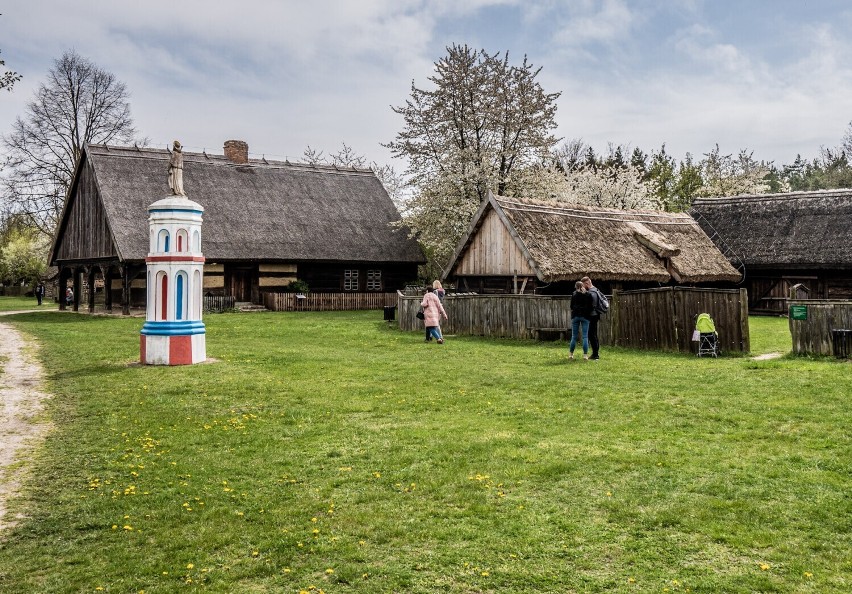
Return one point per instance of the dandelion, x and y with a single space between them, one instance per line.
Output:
255 553
190 566
329 571
809 575
313 520
115 526
609 493
128 527
286 570
631 580
764 566
484 574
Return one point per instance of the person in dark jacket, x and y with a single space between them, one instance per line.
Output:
581 311
600 304
39 292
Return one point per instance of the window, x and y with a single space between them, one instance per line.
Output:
350 280
374 280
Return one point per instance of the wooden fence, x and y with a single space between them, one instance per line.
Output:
327 301
659 319
499 316
219 303
664 319
15 291
812 321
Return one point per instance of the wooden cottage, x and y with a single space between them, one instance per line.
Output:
794 243
517 245
266 224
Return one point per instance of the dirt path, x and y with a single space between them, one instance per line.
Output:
21 401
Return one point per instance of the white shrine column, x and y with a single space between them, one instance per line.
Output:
173 333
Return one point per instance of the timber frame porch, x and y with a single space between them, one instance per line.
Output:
88 273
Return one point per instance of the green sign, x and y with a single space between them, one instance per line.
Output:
799 312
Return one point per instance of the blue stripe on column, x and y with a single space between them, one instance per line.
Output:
182 328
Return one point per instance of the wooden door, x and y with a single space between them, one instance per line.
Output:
239 281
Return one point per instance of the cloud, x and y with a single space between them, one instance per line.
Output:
592 22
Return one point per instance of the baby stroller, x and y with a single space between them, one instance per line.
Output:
708 338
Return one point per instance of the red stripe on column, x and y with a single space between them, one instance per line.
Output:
180 350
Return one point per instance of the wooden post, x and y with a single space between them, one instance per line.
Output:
614 319
90 280
60 289
77 287
125 289
107 274
746 343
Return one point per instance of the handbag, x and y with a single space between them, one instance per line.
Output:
420 315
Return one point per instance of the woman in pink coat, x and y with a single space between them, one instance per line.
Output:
432 312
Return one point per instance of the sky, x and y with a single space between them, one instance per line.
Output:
773 77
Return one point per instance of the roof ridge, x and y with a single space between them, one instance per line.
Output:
775 196
263 163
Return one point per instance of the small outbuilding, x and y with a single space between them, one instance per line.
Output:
518 245
795 244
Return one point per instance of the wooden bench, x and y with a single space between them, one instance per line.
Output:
551 333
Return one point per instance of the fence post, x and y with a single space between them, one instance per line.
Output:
614 320
744 332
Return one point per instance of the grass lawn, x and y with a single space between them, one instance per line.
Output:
24 303
327 451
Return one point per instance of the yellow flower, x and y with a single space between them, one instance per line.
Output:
764 566
329 571
484 573
313 519
255 553
808 574
631 580
189 565
128 528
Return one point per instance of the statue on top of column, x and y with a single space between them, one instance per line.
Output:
176 170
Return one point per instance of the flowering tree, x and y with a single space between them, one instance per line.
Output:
726 175
480 125
609 186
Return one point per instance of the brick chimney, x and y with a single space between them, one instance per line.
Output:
236 151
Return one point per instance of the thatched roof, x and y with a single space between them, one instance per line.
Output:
795 229
567 241
261 210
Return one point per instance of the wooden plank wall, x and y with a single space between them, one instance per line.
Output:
656 319
813 336
328 301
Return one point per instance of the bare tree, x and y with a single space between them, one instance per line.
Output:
78 104
8 78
